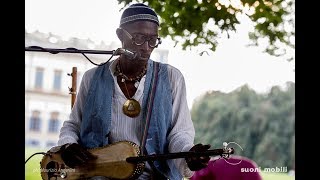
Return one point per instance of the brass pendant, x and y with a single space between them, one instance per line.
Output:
131 108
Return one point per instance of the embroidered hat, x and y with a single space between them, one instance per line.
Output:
138 12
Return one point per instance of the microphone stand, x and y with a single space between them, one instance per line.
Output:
74 50
67 50
119 51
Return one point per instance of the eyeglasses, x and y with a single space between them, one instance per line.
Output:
140 39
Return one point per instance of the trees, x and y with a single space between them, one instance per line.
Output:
195 22
262 124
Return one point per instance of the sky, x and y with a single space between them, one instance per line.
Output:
229 67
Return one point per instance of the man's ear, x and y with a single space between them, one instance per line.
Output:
119 34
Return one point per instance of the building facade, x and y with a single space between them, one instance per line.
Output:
48 79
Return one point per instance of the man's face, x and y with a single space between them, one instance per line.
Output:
141 31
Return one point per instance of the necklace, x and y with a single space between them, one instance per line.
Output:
124 77
131 107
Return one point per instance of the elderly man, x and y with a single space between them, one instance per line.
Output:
134 99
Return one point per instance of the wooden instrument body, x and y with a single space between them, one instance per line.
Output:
110 162
120 160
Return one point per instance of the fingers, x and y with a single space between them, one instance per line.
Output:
75 155
197 147
89 155
85 155
81 152
204 159
71 160
200 147
197 163
206 147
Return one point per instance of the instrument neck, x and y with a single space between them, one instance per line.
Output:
160 157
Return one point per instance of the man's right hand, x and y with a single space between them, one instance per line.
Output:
75 155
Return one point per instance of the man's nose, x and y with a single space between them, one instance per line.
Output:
145 45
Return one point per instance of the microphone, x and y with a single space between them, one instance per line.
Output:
129 54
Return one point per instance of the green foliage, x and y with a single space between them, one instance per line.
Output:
262 124
194 22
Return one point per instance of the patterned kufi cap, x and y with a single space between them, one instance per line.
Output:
138 12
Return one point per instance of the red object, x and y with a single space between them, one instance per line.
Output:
234 168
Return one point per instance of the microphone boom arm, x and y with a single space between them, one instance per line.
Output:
67 50
119 51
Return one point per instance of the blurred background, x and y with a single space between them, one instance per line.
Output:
237 58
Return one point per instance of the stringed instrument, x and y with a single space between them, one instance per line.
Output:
119 160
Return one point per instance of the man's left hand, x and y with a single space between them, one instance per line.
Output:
197 163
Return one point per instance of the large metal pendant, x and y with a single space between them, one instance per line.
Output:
131 108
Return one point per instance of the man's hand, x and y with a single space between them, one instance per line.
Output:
75 155
197 163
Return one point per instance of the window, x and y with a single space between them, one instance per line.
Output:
39 78
57 80
54 123
35 121
33 142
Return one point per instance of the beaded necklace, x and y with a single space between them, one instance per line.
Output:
131 107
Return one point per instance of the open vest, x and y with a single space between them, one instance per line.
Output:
96 117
